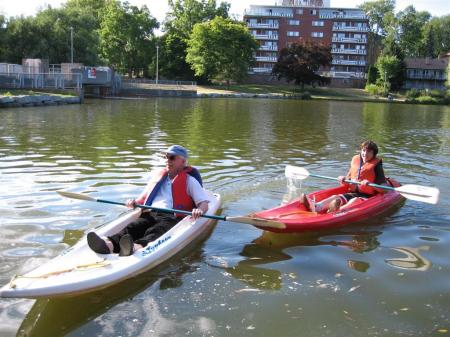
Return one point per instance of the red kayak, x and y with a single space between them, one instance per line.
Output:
298 219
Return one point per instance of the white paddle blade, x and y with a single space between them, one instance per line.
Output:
257 221
426 194
296 172
76 196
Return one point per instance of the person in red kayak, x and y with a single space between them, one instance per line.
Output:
176 186
366 168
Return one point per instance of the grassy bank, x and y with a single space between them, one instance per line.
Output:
343 94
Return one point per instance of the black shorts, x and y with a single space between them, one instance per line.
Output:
350 196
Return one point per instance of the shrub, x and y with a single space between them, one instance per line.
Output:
375 90
413 93
437 93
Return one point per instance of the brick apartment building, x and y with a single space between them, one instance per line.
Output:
288 21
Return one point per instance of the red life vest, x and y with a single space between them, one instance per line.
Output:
181 199
363 171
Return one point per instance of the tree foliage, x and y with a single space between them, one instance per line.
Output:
410 26
300 63
221 49
390 68
182 17
409 33
378 12
126 36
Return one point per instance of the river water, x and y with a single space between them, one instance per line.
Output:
385 277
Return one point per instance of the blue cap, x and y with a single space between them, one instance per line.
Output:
178 150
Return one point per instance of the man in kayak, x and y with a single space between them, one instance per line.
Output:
177 186
366 168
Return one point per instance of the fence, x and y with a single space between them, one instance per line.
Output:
40 81
157 85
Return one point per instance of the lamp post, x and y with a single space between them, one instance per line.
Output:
157 62
71 45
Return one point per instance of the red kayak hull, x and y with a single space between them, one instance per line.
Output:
297 219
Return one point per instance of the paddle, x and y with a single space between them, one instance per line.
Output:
414 192
241 219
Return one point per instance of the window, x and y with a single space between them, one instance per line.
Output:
318 23
294 22
293 33
300 11
317 34
313 11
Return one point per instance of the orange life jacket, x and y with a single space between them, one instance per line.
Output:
181 199
363 171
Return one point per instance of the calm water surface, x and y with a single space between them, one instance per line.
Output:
389 276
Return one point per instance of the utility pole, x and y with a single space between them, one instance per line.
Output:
157 62
71 45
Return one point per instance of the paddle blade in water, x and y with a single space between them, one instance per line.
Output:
426 194
76 196
296 172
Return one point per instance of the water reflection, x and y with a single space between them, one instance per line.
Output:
259 270
241 147
59 316
413 260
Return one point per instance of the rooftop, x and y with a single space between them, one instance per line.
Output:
426 63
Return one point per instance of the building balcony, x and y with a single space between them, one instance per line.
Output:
263 25
348 40
343 74
349 51
350 29
266 59
428 77
266 47
257 70
270 13
343 16
265 37
349 62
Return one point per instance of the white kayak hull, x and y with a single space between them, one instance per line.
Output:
79 270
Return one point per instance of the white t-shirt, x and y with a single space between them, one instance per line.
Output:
163 198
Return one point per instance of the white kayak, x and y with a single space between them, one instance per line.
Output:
79 270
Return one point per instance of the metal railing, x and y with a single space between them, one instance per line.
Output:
349 62
348 51
268 47
348 39
265 36
41 81
343 16
263 25
351 28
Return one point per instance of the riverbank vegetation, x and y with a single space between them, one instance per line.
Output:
120 35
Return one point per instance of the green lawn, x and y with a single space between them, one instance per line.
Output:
317 93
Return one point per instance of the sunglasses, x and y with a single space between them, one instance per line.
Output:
171 156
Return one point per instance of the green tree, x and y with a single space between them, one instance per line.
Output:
436 37
411 25
378 13
180 20
47 35
390 68
221 49
300 63
372 75
126 36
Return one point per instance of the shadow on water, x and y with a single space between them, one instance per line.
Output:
270 248
59 316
